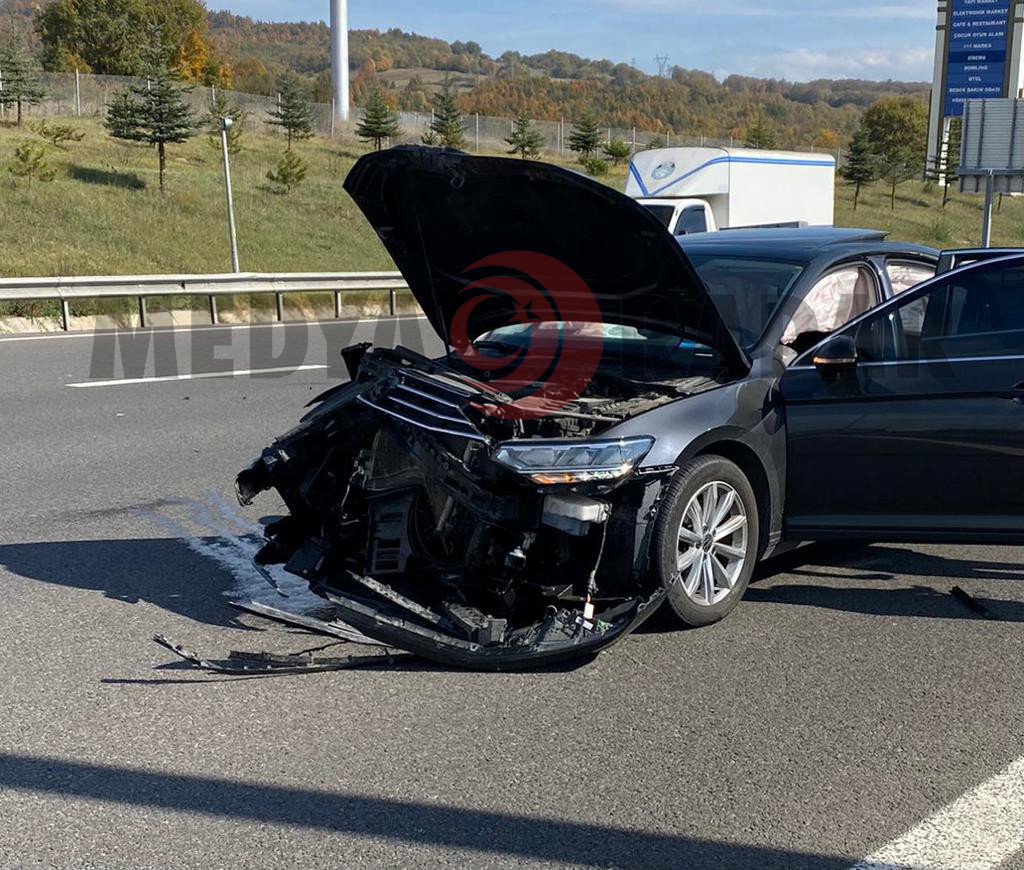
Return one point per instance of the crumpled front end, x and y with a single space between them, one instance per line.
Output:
402 516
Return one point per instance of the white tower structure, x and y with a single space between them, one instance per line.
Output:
339 57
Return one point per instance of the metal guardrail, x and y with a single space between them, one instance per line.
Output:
143 287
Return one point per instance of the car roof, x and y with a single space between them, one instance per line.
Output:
798 244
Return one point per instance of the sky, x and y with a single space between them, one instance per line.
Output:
793 39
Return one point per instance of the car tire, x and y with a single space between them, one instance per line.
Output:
708 563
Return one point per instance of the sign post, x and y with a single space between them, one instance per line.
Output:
992 153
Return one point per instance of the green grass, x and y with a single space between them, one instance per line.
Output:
104 215
919 216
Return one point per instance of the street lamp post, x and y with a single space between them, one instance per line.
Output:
225 125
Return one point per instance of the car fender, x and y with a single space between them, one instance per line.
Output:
741 419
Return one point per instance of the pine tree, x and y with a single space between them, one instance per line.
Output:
585 137
447 123
21 83
157 115
56 134
30 162
861 164
294 114
221 107
379 121
946 170
290 173
760 135
526 140
617 151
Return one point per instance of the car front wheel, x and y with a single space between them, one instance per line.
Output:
706 540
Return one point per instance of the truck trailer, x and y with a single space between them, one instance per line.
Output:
697 190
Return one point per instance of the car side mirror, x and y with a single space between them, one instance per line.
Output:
836 355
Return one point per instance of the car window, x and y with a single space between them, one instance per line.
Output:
836 299
692 220
662 212
977 313
904 274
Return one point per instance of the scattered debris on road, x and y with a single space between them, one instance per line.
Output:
971 602
265 663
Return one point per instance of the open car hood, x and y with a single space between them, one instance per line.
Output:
451 220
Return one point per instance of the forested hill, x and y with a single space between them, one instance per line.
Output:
554 84
547 86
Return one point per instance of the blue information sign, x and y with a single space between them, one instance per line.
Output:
979 45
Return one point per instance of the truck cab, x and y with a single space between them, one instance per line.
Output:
682 217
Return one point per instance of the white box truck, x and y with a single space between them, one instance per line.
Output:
696 190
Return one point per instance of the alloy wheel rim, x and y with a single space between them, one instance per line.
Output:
712 548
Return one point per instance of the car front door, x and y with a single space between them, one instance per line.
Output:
923 436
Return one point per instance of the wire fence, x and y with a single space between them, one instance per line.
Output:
72 94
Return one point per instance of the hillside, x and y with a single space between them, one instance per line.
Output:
551 85
547 86
103 215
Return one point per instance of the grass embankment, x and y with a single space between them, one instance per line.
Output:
919 216
103 213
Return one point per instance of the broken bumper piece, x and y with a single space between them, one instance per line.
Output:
562 636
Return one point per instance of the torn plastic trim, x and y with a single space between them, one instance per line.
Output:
243 664
556 640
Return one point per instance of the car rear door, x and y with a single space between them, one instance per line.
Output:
923 437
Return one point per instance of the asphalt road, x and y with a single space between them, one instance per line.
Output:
850 698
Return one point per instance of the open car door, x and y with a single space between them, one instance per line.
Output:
908 424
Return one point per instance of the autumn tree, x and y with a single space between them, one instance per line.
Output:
293 114
525 140
154 112
585 137
112 37
826 139
21 84
379 121
897 129
447 127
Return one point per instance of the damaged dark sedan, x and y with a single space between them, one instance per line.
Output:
602 438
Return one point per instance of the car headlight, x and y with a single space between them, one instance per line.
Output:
551 462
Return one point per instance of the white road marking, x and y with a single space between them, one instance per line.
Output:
204 327
979 831
194 376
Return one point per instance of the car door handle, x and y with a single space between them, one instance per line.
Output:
1016 394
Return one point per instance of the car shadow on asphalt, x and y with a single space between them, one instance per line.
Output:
575 843
164 572
889 567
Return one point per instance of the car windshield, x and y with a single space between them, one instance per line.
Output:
662 212
656 354
747 291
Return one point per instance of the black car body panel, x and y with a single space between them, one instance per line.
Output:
406 511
